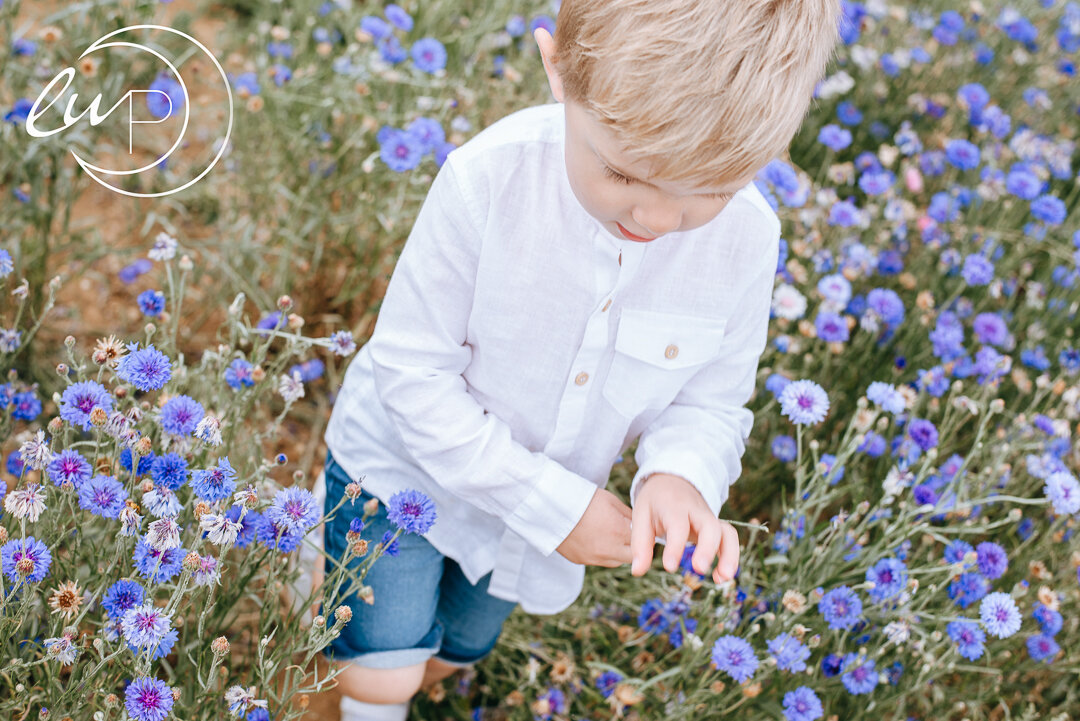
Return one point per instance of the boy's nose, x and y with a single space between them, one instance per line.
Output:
658 219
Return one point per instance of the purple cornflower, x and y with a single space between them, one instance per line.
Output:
151 302
844 213
977 270
735 657
840 607
831 327
1042 647
990 329
968 588
834 137
835 288
148 699
401 150
79 399
342 343
1050 621
294 509
145 625
276 537
956 550
968 637
889 576
68 466
429 55
121 596
1064 493
860 678
215 484
804 402
103 496
25 557
653 616
607 681
239 374
180 415
886 396
789 653
802 704
412 511
146 562
887 305
999 614
556 701
993 560
169 471
147 369
924 433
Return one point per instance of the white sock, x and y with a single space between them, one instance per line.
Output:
353 710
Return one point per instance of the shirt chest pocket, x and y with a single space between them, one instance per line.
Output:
655 355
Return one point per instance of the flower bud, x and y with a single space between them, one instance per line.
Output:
353 491
298 476
61 369
284 304
191 561
371 507
150 328
258 374
343 614
121 392
303 700
295 322
220 646
185 263
176 692
98 416
69 341
142 446
56 425
147 485
318 621
201 509
3 535
360 548
367 594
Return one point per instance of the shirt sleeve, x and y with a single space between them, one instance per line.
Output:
418 350
702 435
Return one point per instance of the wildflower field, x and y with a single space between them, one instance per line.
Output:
909 502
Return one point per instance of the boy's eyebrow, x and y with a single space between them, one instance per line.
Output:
645 182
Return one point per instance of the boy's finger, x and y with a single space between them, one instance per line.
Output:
729 551
708 544
676 532
642 538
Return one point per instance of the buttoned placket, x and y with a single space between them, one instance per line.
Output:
618 264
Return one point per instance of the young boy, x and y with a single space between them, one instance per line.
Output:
580 275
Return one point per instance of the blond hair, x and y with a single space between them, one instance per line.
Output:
706 90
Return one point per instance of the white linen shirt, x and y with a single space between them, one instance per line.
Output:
520 349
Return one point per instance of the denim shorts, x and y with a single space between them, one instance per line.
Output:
423 606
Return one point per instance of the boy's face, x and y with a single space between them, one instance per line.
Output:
644 208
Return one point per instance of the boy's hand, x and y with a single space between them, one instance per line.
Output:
670 506
602 536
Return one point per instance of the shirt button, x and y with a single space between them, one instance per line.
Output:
606 305
671 351
581 378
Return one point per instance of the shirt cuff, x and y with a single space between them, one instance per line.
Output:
686 465
553 508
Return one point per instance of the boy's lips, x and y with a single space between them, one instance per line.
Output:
631 236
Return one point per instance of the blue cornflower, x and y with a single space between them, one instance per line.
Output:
257 714
356 525
429 132
789 653
130 272
956 550
169 471
390 544
1064 492
168 97
835 288
309 370
103 496
401 151
974 95
375 26
7 264
923 432
968 588
1069 358
294 509
151 302
180 415
239 374
1050 621
249 525
276 537
858 678
147 369
840 607
556 700
784 448
397 15
948 337
886 396
889 576
515 26
412 511
999 614
69 466
830 664
834 137
607 681
391 50
873 445
27 407
992 559
28 552
977 270
1042 647
827 461
271 321
78 399
831 327
1023 184
145 625
542 21
215 484
968 637
280 73
145 462
246 84
734 656
146 562
990 329
802 704
121 596
962 154
776 383
844 213
429 55
653 616
14 464
148 699
848 114
877 183
804 402
1049 209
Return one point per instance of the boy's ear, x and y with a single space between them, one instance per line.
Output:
546 43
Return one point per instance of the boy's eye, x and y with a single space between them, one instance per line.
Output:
618 177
